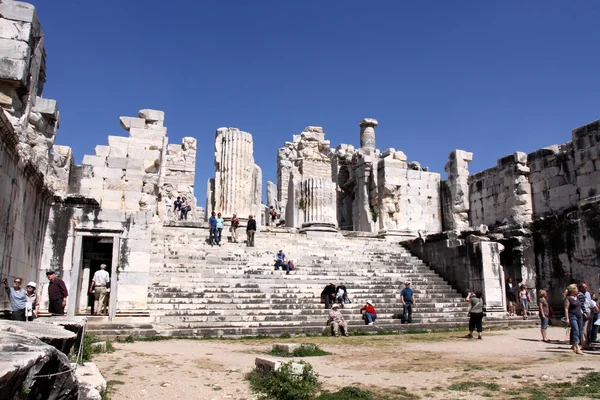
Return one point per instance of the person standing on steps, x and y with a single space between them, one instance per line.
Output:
369 313
177 206
475 313
250 231
57 294
336 321
185 208
99 286
18 299
212 226
408 302
219 228
328 295
235 223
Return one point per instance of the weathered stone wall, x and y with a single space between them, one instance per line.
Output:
408 198
28 125
502 195
24 206
455 191
70 221
468 264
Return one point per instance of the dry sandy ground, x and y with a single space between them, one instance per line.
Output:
215 369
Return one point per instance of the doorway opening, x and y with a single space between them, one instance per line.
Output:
94 251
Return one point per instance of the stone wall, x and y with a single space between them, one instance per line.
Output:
468 263
502 195
408 198
70 221
28 125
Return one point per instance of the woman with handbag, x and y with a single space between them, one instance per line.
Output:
475 313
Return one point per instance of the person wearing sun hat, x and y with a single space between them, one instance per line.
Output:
336 321
369 313
32 308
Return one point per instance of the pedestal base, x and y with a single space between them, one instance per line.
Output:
319 229
398 235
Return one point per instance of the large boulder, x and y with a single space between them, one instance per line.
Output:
28 365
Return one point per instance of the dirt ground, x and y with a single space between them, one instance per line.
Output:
422 365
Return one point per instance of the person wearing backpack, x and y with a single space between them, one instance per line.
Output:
475 313
235 223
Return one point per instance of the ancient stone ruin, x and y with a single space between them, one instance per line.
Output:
370 218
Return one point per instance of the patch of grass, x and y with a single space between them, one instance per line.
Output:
585 369
516 377
467 386
129 339
285 335
305 350
588 385
285 384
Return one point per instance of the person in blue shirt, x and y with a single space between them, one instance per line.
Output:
212 224
408 302
219 228
281 261
18 299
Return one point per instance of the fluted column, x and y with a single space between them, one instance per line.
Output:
317 203
235 175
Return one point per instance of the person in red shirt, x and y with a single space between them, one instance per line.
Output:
369 313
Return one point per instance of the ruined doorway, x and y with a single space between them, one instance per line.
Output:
94 251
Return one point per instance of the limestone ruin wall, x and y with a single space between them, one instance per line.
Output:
28 126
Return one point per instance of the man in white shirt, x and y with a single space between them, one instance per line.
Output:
99 287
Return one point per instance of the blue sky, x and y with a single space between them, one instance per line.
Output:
491 77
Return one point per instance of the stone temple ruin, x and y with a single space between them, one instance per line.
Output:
366 217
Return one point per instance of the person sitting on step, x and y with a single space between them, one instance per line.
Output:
281 261
368 313
328 295
336 321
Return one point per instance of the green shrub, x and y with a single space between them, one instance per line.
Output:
285 384
87 351
305 350
129 339
347 393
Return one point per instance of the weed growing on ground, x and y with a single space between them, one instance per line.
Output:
284 384
285 335
305 350
88 350
466 386
347 393
129 339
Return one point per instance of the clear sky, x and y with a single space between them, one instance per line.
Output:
491 77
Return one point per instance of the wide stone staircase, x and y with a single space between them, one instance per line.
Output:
199 290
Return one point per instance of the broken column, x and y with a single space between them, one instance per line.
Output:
367 133
456 200
317 204
238 180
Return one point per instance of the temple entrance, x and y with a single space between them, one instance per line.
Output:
94 251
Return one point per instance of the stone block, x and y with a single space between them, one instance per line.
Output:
133 296
520 157
95 161
117 162
19 11
118 141
46 107
118 151
14 49
14 70
105 172
102 151
132 122
287 348
152 115
134 164
111 215
92 384
267 365
15 30
157 133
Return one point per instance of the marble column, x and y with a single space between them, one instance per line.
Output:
235 178
367 133
317 203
